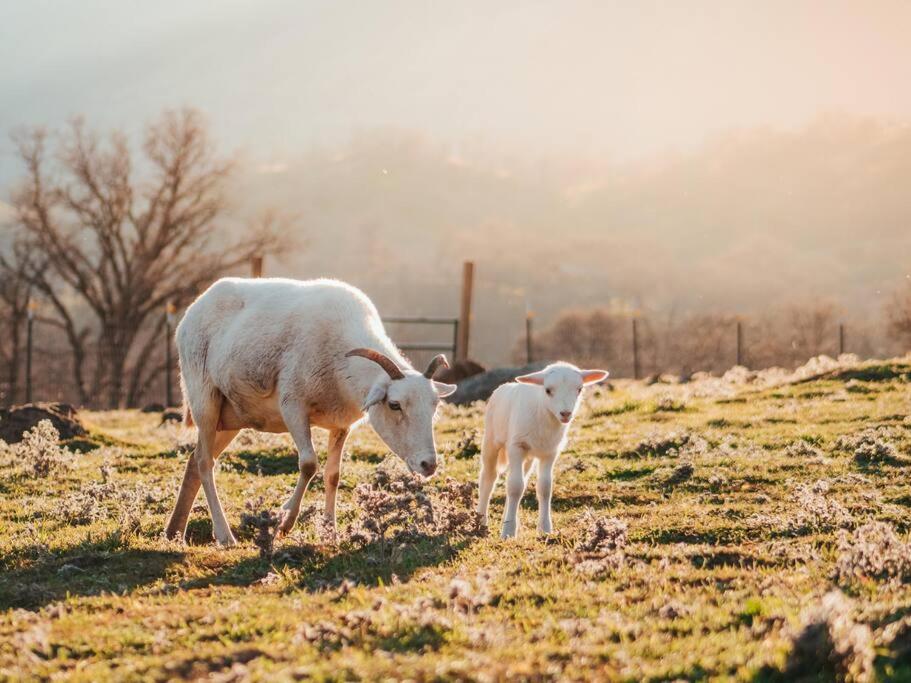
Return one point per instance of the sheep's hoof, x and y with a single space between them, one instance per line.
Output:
286 524
509 530
228 542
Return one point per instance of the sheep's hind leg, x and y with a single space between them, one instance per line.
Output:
298 424
189 487
207 420
515 487
487 477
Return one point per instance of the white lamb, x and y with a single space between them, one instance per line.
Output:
525 423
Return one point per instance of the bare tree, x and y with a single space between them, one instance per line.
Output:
119 247
15 265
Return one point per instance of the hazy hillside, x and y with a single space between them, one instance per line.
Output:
750 221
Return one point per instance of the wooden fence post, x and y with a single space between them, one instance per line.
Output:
529 355
465 312
256 266
841 338
739 343
636 369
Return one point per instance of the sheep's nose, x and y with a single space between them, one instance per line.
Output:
566 415
428 467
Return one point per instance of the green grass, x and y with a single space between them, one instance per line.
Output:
718 568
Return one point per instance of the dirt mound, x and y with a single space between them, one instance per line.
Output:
480 387
460 370
17 420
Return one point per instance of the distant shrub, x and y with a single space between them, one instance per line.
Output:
680 474
81 508
670 444
872 551
831 645
40 451
669 404
602 545
469 596
871 445
467 446
816 511
396 509
802 449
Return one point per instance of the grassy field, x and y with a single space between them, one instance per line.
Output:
699 529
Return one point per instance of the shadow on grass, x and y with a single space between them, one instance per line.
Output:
629 473
90 568
266 462
727 536
370 565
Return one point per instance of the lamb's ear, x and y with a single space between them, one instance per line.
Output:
443 389
532 378
377 395
593 376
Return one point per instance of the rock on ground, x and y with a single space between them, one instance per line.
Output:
459 371
480 387
17 420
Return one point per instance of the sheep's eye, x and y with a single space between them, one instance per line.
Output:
395 405
549 392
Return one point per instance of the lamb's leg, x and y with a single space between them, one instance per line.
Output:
177 524
298 424
331 475
487 478
515 487
544 489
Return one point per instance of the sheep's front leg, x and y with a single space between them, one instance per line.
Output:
515 487
544 489
333 472
298 424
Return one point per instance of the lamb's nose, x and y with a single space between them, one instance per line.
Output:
428 467
566 415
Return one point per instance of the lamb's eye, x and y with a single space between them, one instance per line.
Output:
395 405
549 392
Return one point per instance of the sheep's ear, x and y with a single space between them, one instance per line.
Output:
532 378
593 376
377 395
444 390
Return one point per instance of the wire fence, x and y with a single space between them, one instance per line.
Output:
47 367
631 349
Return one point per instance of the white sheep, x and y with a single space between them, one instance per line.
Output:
527 423
281 355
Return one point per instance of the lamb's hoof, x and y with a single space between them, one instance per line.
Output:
509 530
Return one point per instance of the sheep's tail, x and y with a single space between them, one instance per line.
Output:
187 414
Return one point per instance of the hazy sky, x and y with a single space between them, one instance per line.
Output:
593 79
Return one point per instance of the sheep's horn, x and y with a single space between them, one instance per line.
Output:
383 361
437 362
